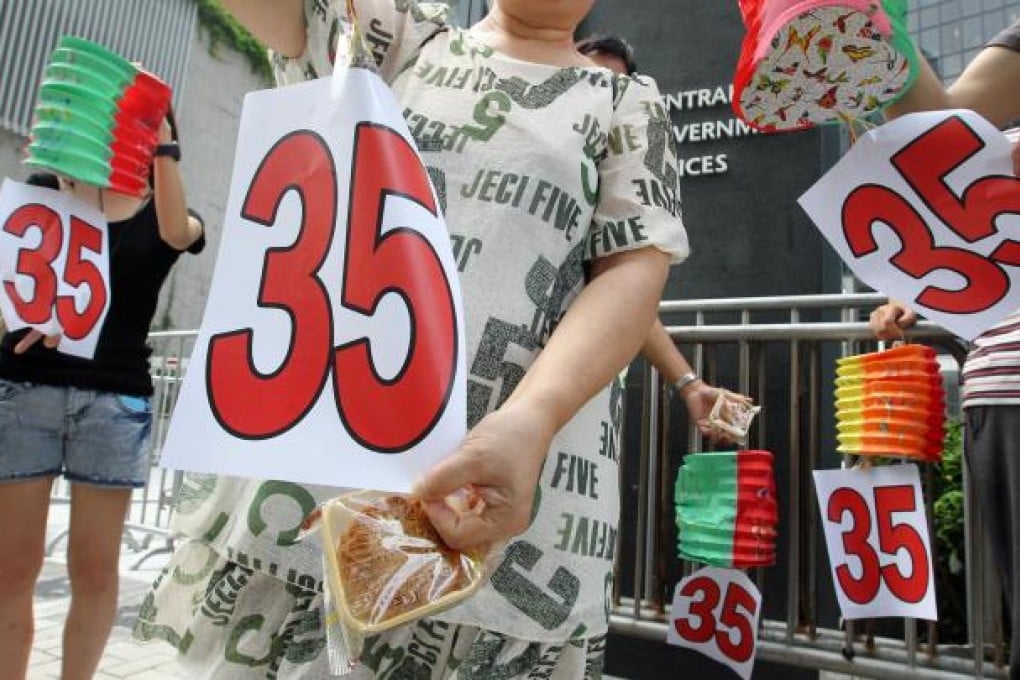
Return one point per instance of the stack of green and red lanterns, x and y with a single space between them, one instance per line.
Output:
806 62
891 403
726 509
97 117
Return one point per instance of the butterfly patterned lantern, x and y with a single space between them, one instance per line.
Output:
891 403
807 62
726 509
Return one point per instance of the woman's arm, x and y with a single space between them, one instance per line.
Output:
279 24
699 397
177 229
989 85
502 457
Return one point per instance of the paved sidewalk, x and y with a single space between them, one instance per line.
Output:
124 658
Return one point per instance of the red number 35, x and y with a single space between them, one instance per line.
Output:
892 538
38 264
383 414
708 628
924 164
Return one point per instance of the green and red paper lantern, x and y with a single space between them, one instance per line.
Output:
97 117
726 509
891 403
808 62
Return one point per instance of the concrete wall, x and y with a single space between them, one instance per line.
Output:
208 119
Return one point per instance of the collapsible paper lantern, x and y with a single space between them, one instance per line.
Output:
891 403
807 62
726 509
97 118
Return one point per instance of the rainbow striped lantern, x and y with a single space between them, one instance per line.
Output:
891 403
807 62
97 118
726 509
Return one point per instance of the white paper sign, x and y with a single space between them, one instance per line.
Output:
54 266
926 209
715 612
332 348
877 535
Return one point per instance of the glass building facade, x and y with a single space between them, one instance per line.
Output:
952 32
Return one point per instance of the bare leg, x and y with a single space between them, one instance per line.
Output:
93 552
23 509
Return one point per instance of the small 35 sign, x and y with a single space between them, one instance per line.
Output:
877 535
332 348
54 265
715 612
926 209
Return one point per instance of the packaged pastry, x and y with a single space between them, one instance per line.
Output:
733 415
385 566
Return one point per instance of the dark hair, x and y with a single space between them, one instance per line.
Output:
46 180
612 45
173 124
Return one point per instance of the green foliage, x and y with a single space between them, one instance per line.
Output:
950 577
223 29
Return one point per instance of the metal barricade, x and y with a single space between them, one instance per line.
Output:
801 637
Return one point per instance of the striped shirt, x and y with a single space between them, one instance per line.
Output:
991 374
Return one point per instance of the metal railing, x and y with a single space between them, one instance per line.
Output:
804 349
737 342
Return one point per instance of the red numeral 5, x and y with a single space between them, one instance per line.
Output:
401 261
891 539
927 161
730 617
37 263
79 271
386 415
924 164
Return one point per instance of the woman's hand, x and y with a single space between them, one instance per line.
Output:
699 398
498 463
888 321
33 336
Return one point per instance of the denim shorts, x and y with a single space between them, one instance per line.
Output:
87 436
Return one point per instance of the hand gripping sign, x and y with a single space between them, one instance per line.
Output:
877 535
926 209
54 266
332 348
715 611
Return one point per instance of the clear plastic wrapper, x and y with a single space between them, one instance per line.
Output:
733 415
385 566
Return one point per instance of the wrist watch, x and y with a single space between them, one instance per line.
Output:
170 150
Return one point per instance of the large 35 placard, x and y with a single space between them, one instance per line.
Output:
54 266
926 209
332 348
876 531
